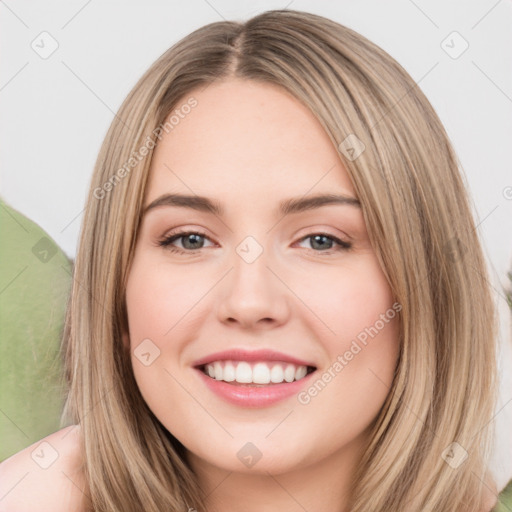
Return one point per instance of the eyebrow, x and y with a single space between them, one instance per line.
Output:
286 207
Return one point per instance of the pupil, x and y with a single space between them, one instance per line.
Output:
316 238
193 238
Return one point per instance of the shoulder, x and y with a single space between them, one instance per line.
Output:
490 499
490 504
46 476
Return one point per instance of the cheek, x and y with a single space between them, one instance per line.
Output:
165 308
158 301
349 300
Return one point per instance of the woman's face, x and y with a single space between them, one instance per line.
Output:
264 273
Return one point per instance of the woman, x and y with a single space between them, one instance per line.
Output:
259 368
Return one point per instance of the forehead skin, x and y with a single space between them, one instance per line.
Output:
247 140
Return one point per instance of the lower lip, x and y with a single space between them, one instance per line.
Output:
247 396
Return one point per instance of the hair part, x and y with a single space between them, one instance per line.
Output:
420 225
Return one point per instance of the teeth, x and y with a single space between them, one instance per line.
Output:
258 373
277 374
261 374
289 373
301 372
243 373
229 374
217 370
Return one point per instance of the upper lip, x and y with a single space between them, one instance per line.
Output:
252 355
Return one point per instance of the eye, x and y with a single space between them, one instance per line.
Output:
191 241
326 241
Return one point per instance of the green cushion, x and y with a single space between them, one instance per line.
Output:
35 280
505 500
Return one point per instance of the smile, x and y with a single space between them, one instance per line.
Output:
245 390
259 373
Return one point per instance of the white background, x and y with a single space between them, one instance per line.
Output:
56 111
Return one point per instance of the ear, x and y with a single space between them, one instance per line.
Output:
125 330
126 340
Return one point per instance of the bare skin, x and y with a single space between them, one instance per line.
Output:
46 476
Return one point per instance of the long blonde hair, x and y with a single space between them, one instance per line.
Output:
420 224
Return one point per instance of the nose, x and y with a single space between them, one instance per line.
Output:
253 294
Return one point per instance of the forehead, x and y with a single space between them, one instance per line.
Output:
245 138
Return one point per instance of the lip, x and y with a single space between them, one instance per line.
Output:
253 355
254 397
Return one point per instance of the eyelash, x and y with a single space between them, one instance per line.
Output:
168 240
